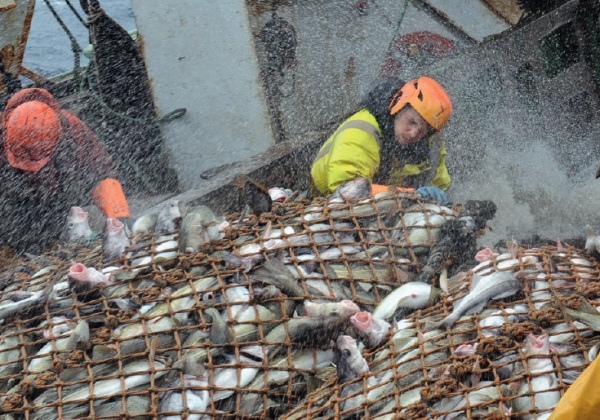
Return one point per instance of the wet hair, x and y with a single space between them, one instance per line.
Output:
377 101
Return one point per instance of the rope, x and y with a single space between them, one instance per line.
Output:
76 13
74 45
177 113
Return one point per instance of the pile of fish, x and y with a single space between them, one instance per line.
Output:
507 340
306 311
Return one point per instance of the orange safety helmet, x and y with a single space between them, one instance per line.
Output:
428 98
31 133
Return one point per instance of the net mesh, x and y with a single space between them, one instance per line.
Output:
212 334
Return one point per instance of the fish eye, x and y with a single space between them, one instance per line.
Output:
71 224
346 353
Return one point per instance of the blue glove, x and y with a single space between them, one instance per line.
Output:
434 193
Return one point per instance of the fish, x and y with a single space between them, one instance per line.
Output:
353 190
42 361
170 217
374 329
276 273
586 314
412 295
196 400
592 242
304 330
133 374
21 300
543 381
143 225
115 239
83 279
10 354
350 366
278 374
220 332
199 225
498 285
227 379
77 226
343 309
497 319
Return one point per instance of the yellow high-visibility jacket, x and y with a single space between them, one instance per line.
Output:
582 399
353 149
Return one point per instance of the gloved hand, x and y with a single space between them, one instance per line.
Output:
108 196
433 193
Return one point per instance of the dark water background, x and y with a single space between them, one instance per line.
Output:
49 49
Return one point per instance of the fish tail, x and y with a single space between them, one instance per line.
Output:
565 311
586 307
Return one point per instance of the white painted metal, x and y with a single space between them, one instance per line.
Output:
200 56
472 17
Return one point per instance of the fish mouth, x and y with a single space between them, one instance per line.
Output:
77 271
114 225
465 350
538 342
360 319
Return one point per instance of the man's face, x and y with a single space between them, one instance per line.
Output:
409 127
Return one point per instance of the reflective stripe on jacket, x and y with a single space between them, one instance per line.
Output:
353 151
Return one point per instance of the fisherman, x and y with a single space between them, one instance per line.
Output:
394 140
50 161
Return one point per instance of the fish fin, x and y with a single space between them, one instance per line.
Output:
477 308
403 299
475 281
476 377
81 334
268 230
589 232
444 281
430 326
565 311
84 332
124 304
154 346
588 308
505 294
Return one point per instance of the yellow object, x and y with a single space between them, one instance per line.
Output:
353 151
582 399
109 197
377 188
428 98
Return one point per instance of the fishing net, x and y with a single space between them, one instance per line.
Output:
482 366
212 335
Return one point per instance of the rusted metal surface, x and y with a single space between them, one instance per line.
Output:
15 23
6 5
508 9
